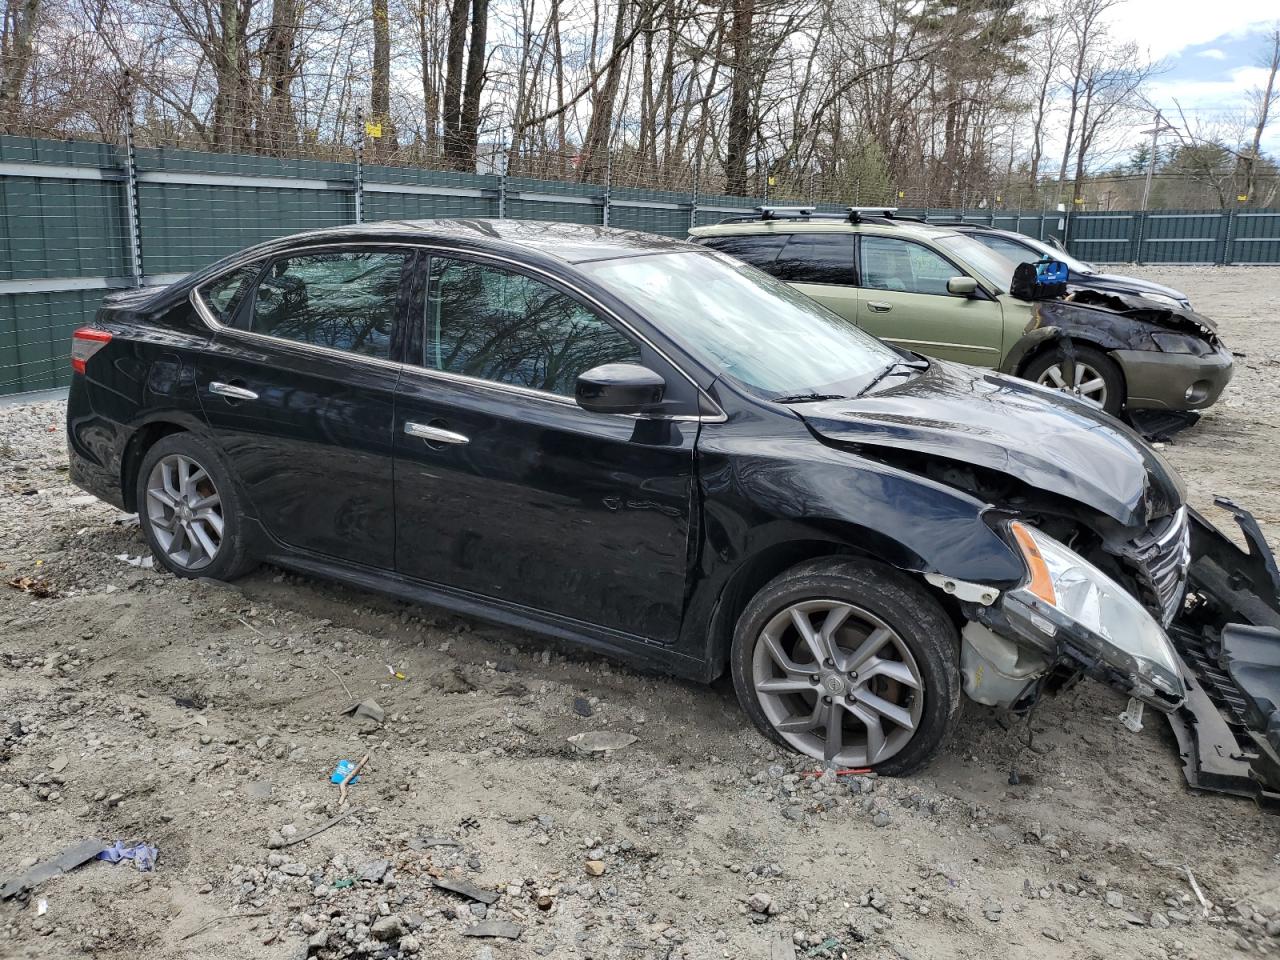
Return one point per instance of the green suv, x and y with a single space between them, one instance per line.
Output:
940 292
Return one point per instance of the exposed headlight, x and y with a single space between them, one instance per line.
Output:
1115 625
1181 343
1164 298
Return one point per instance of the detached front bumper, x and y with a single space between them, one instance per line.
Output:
1174 381
1228 637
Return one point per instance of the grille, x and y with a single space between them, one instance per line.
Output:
1161 559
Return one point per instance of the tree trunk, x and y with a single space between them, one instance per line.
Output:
380 95
469 126
453 80
279 70
16 54
738 143
596 143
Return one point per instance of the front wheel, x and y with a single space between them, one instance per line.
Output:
851 663
1083 372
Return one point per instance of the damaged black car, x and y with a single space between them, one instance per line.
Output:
648 448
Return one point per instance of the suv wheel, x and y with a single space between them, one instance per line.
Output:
1089 374
848 662
189 509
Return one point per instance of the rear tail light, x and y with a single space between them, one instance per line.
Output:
85 342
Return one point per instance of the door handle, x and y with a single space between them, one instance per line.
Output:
232 391
433 434
879 306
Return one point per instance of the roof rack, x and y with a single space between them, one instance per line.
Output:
962 223
853 215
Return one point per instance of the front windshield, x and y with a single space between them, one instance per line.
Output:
1074 265
995 268
757 330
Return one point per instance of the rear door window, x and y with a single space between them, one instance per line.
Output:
758 249
342 300
825 258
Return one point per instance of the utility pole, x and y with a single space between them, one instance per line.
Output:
1157 127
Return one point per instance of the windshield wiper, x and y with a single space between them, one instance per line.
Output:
897 368
809 397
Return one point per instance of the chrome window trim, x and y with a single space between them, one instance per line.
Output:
206 314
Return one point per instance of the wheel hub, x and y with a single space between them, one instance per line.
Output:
834 684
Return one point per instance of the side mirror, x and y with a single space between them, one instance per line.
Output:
619 388
962 286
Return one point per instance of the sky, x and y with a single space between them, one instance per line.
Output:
1209 50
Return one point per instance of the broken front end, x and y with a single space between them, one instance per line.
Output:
1193 631
1227 635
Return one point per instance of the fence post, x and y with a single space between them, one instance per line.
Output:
1225 256
134 218
502 179
693 198
608 185
358 183
1140 235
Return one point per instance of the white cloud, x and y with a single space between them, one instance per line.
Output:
1166 26
1213 54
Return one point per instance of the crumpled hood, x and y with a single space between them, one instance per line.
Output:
1124 299
1122 283
1044 438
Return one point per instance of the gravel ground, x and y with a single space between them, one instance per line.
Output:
202 719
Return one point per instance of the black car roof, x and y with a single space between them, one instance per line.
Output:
568 242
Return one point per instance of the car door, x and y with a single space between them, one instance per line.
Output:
298 388
505 488
904 299
822 266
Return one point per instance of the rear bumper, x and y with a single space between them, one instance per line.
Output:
1228 637
1174 381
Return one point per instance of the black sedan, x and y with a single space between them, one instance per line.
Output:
653 450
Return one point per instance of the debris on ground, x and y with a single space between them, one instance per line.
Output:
368 710
69 859
143 855
40 589
600 741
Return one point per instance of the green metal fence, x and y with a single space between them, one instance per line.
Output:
79 219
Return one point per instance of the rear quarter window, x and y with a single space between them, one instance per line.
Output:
224 295
758 249
825 258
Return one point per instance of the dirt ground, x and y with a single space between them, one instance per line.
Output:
202 718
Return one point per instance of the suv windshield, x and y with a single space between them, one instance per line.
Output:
758 330
995 268
1074 265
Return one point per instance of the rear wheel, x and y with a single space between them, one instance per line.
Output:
848 662
189 509
1084 372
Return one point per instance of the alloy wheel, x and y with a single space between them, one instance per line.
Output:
1083 381
185 511
837 683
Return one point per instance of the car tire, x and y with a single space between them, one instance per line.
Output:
1088 361
888 633
188 503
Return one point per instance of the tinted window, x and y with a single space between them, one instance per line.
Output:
1009 248
345 301
757 249
224 295
892 264
496 325
817 258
